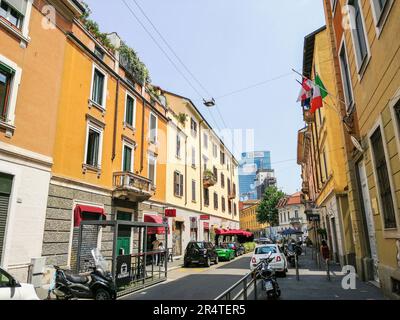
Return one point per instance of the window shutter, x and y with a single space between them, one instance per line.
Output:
181 185
19 5
6 69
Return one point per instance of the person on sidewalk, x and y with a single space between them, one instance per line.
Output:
155 245
161 255
325 252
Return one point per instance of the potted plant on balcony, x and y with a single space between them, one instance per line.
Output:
208 179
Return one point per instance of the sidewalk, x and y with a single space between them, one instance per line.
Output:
314 285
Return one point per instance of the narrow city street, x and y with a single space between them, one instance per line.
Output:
196 283
208 283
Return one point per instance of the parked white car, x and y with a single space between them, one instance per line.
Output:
279 264
11 289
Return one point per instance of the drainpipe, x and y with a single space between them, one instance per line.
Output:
115 122
142 137
201 178
186 177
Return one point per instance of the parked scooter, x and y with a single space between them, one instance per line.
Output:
292 252
269 283
100 286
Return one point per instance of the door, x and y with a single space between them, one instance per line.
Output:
124 234
7 290
368 217
5 191
177 239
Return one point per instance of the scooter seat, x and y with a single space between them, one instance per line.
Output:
76 278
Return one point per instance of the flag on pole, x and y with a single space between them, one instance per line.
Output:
305 92
318 95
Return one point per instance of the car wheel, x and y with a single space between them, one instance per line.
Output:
102 294
186 264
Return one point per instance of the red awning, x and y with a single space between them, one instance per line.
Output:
79 209
220 232
154 219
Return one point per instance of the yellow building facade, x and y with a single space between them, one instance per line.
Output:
248 219
326 151
195 151
365 42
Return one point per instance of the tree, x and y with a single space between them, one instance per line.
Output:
266 210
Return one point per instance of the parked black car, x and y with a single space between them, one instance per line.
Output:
239 249
200 252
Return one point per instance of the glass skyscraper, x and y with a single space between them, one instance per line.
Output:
250 163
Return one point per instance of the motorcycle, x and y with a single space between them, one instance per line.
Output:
99 285
269 283
292 253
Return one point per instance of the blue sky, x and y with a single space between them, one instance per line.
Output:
229 45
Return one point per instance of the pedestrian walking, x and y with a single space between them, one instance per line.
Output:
161 255
325 253
155 245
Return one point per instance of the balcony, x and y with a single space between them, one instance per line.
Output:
305 188
129 186
232 196
209 180
296 220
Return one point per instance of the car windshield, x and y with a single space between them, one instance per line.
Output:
265 250
198 245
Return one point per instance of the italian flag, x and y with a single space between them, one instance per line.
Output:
319 94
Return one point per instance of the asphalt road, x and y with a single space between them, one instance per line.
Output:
196 283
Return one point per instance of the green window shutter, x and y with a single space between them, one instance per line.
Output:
6 69
5 183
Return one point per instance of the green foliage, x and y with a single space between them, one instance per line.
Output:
267 211
135 66
208 174
182 117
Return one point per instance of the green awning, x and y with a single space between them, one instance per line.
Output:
6 69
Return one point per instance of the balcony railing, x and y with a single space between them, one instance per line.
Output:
135 187
209 179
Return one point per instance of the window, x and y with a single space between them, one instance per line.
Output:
205 141
193 127
296 213
99 52
222 180
98 87
93 146
235 209
234 189
194 190
223 203
228 182
215 171
229 206
193 157
397 113
206 194
152 168
153 128
178 184
130 110
215 201
346 78
127 161
222 155
178 145
359 38
325 164
215 150
13 16
5 84
205 162
382 176
379 8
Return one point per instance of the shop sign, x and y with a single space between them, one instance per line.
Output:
205 217
171 213
123 277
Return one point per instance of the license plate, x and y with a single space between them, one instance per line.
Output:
269 286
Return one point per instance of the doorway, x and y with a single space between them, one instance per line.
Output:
369 219
5 193
124 234
177 239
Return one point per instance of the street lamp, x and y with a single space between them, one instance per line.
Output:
209 103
